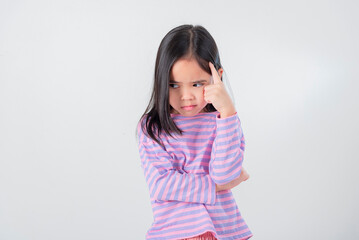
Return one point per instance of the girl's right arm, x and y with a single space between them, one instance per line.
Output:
165 182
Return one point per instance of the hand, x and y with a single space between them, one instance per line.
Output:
217 95
242 177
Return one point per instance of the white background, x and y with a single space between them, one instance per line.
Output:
75 76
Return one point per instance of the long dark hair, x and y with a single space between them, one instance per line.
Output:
183 41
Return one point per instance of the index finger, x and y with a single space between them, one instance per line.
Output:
215 77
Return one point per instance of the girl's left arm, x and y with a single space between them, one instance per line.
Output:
228 146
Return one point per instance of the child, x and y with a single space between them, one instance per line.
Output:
191 143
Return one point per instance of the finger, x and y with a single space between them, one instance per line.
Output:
215 75
208 97
205 97
209 87
205 94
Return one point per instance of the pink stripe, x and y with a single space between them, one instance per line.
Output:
197 136
224 214
189 216
189 190
178 205
180 225
196 161
221 124
210 183
234 226
232 143
217 178
203 190
201 116
153 174
225 169
153 233
179 210
183 182
193 129
200 121
155 163
224 199
158 154
160 184
208 227
235 233
226 220
152 145
227 139
170 183
196 190
178 145
225 154
180 150
198 165
221 207
175 187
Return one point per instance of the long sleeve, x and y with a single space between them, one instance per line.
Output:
165 182
227 150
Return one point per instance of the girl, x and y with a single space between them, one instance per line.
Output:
191 142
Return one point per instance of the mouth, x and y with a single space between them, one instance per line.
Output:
189 107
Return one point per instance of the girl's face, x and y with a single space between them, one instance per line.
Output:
186 87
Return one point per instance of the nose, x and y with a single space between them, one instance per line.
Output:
186 94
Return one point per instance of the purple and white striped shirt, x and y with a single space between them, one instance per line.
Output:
182 176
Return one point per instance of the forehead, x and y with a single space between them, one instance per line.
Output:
188 70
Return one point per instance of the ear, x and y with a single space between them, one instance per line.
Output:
220 72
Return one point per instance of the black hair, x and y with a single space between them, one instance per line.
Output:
185 41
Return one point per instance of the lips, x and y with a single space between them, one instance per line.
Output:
189 107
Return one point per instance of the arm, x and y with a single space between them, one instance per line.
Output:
165 182
227 150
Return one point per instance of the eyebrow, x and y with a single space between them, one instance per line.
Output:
198 81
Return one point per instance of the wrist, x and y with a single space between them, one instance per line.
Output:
227 113
218 188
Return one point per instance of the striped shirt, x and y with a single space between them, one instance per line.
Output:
182 178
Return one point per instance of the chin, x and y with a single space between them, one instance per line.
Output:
189 113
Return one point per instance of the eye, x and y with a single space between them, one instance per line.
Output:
172 85
198 84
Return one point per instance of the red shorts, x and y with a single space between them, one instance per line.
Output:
204 236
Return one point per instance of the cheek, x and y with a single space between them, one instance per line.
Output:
172 97
200 93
